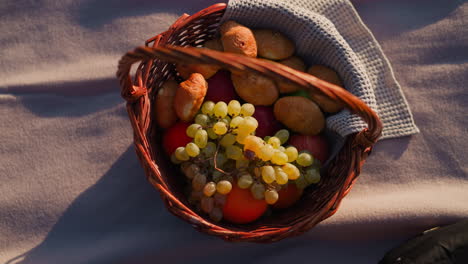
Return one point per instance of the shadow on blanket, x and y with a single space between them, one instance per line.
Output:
112 215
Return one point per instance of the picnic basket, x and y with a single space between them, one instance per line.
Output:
156 64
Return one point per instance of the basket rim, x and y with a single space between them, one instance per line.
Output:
355 151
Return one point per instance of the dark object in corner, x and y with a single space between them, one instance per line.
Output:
443 245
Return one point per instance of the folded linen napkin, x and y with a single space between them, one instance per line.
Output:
330 32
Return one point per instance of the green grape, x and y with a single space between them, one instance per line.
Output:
217 176
216 214
207 204
266 138
258 191
192 130
281 176
202 119
252 120
210 149
227 140
271 196
234 108
281 148
207 108
189 169
245 127
228 178
209 189
199 181
248 125
279 158
234 152
245 181
301 182
253 143
220 109
268 174
220 199
240 138
305 159
247 109
257 172
291 170
283 135
201 138
312 175
266 152
181 154
174 159
242 163
236 121
220 160
274 141
195 196
220 128
192 149
211 133
226 120
224 187
292 153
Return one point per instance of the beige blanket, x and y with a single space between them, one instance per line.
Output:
72 190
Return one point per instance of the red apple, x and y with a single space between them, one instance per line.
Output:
175 137
220 88
288 196
267 123
317 145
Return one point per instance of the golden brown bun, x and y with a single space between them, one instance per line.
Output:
207 70
329 75
214 44
189 96
297 64
238 39
165 113
255 88
299 114
273 45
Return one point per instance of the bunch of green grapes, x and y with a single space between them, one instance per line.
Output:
276 166
225 151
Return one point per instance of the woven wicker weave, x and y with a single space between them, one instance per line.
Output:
318 202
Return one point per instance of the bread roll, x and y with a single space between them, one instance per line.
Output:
239 39
189 96
255 88
273 45
164 102
329 75
299 114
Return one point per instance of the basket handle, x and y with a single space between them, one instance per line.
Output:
235 62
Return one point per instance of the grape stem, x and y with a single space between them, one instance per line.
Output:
215 161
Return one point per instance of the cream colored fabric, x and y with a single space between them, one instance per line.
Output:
330 32
72 190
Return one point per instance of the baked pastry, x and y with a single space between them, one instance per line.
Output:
273 45
189 96
325 73
166 115
237 38
297 64
207 70
214 44
255 88
299 114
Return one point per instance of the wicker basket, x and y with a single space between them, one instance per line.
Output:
318 202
